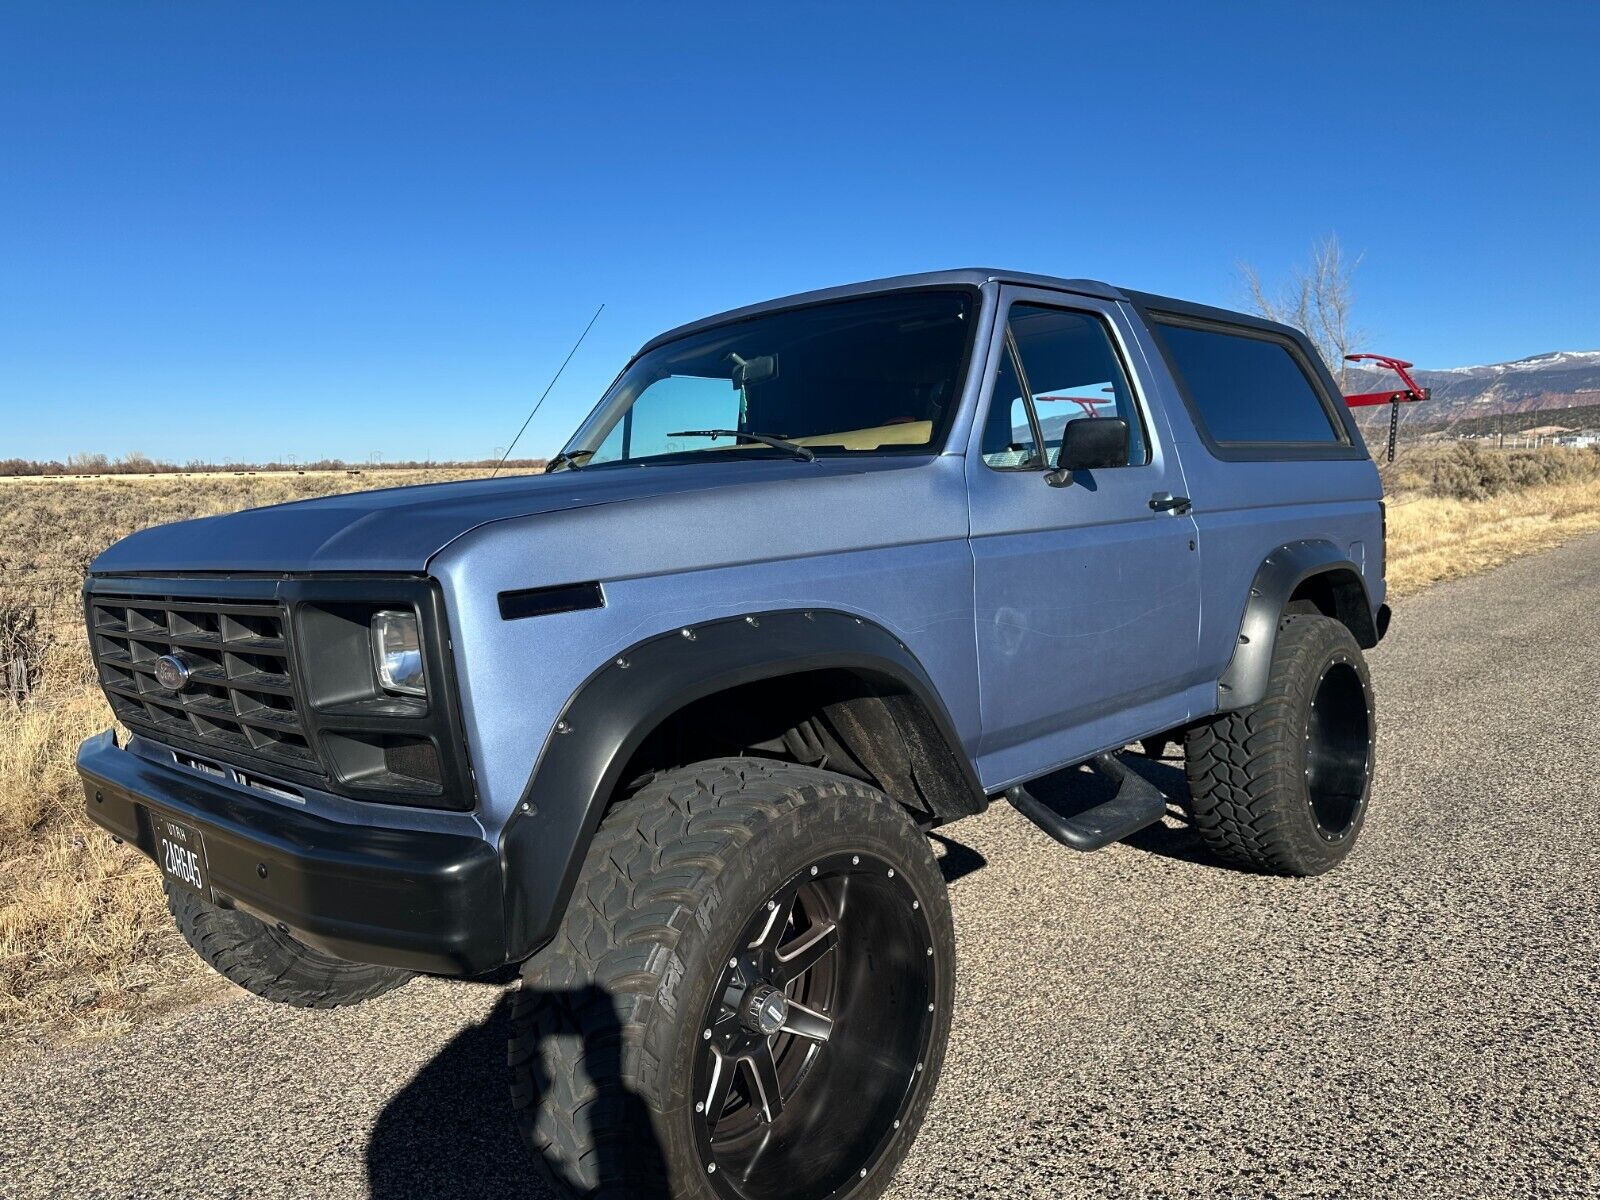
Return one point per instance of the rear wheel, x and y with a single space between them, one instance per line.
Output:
1282 786
749 997
265 960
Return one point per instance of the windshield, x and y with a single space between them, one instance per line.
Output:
876 375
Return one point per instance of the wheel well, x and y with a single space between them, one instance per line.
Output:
1341 595
865 726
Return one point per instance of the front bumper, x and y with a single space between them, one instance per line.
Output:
417 899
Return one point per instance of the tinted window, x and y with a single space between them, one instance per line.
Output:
1247 389
875 375
1073 371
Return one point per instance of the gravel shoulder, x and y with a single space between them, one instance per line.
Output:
1134 1023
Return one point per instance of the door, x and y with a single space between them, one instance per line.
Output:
1087 599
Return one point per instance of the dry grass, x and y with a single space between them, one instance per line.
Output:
85 942
1432 539
84 939
86 945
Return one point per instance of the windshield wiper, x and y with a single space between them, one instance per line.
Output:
766 439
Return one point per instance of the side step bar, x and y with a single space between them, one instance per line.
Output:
1136 805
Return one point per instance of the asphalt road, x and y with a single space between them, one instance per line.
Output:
1138 1022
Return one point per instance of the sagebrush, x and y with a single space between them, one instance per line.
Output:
24 643
1478 471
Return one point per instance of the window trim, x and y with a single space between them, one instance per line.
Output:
1008 349
1342 446
1118 351
1035 426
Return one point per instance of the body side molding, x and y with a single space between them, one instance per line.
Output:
1245 681
544 844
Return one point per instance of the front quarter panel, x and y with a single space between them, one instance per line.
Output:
884 540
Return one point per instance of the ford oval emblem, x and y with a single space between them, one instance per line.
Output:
172 672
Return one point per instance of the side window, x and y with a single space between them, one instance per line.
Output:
1247 389
1070 369
1008 440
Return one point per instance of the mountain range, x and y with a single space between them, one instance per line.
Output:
1557 380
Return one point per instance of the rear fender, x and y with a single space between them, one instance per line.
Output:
1281 573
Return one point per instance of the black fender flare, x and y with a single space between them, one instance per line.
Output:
1283 571
543 845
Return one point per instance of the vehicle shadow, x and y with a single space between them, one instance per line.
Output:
1077 789
958 860
450 1132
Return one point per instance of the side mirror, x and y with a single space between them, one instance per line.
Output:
1087 443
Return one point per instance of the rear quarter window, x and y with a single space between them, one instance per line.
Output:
1247 389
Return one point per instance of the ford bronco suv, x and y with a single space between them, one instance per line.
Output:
668 724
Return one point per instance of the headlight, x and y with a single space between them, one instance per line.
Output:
397 652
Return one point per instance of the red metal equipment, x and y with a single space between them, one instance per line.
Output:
1087 403
1394 398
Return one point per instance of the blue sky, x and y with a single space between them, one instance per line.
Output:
332 229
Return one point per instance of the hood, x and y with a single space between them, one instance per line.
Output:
400 529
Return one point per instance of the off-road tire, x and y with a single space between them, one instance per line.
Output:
607 1024
1249 770
263 959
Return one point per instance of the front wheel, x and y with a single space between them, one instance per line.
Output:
264 959
749 997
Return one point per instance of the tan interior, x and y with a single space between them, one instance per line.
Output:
905 433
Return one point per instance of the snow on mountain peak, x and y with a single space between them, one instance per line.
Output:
1534 362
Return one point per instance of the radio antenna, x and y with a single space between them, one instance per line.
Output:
546 391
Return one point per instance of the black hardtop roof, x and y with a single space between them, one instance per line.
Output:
972 277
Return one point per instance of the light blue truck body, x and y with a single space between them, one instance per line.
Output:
1052 623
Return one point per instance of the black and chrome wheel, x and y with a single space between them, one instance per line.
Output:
816 1033
1283 785
750 995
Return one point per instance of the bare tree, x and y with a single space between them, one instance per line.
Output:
1318 298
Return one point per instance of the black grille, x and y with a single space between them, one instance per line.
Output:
240 695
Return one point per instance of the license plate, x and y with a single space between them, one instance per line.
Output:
181 854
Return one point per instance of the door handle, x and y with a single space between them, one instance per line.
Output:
1165 502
